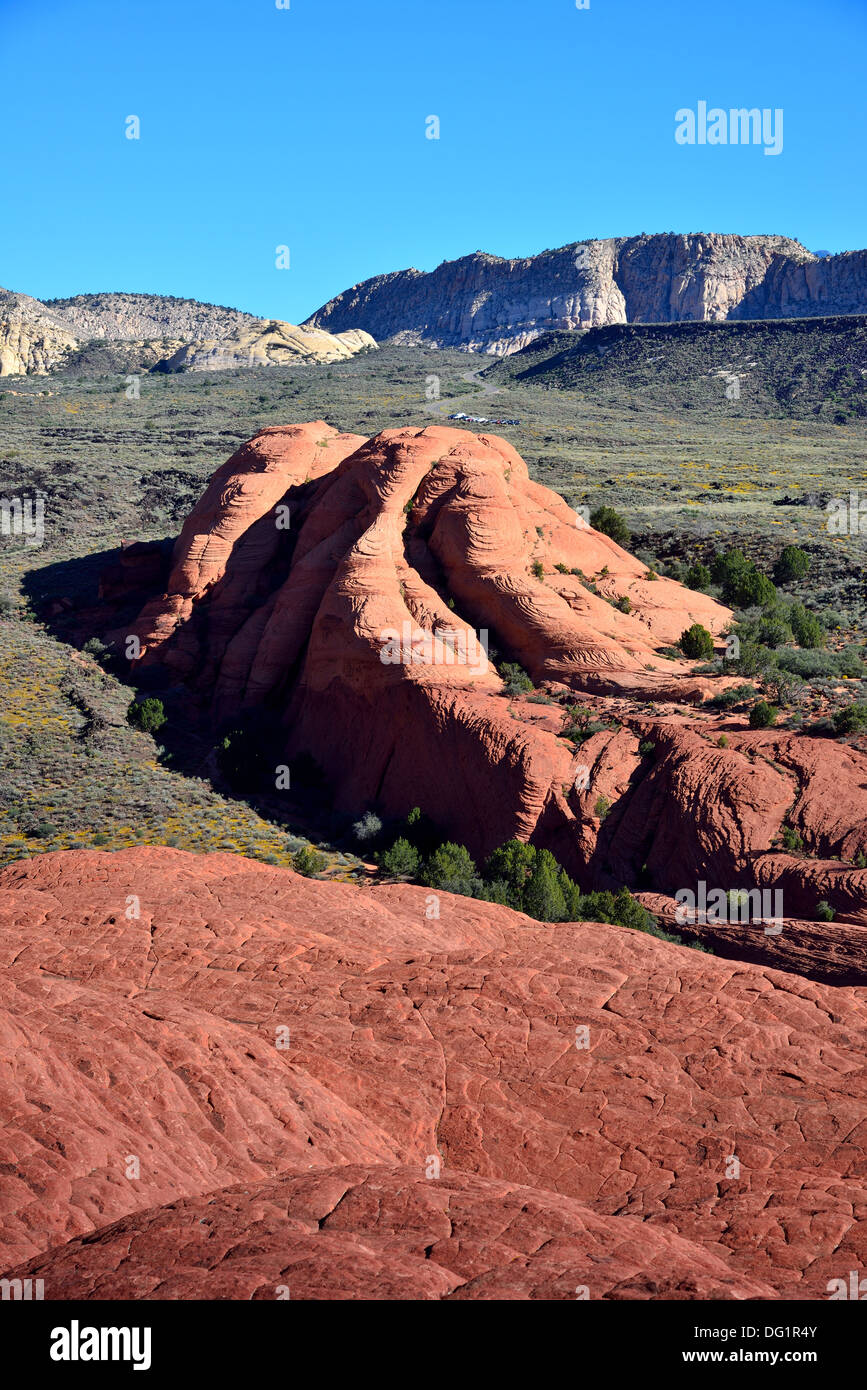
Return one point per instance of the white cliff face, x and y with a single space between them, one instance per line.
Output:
488 304
27 348
483 303
671 279
575 288
32 339
834 285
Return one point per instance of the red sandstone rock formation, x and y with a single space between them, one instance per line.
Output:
395 522
411 1038
420 532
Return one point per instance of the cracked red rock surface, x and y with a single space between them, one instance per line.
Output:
386 1233
410 1038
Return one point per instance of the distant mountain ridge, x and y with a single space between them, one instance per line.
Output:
144 316
144 332
480 303
490 304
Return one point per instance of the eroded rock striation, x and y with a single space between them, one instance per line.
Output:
264 1082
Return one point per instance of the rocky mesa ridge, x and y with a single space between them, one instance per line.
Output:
357 630
260 1085
490 304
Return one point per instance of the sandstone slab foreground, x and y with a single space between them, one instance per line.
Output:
324 1087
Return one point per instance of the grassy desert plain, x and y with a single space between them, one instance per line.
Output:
641 419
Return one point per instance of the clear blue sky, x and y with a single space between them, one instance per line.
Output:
306 127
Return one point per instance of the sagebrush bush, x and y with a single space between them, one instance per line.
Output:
515 678
309 862
368 827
